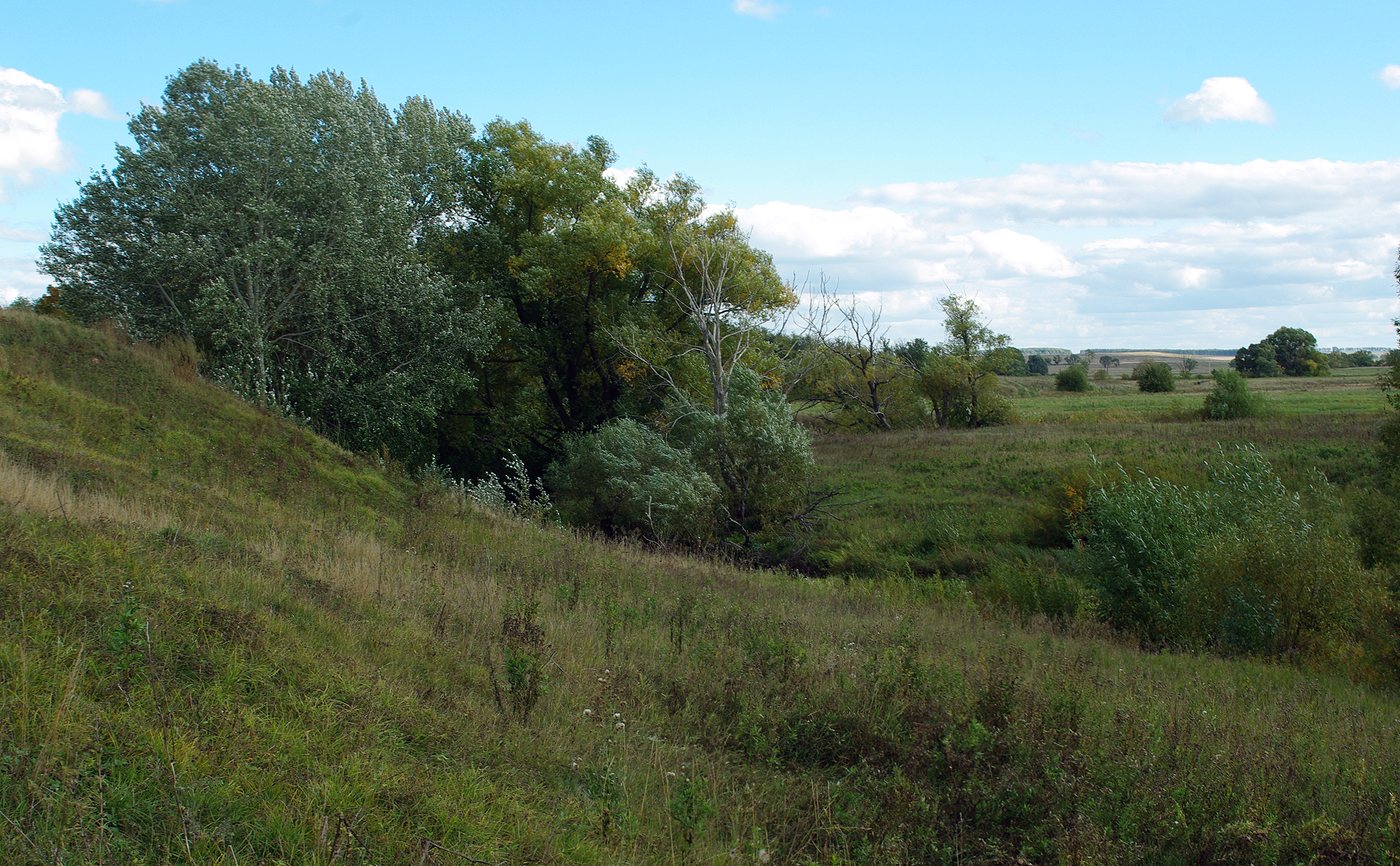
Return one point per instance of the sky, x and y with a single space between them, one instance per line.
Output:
1099 175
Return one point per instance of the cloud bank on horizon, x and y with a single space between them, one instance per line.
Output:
1118 255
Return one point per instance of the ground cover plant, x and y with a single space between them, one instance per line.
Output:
226 640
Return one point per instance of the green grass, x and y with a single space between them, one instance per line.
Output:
1035 400
224 640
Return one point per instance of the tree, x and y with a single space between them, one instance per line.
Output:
958 376
1290 351
1007 361
1154 377
914 352
1073 378
725 290
540 231
1256 359
1230 398
869 365
269 222
1037 365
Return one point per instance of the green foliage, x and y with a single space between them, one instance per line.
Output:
1006 361
959 376
1287 351
1036 365
625 479
286 255
1240 564
1230 397
1073 378
1154 377
759 457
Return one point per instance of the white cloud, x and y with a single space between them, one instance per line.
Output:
1011 253
1222 98
29 113
1118 254
1390 76
1122 192
84 101
805 231
758 9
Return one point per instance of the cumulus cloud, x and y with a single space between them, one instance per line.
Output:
84 101
819 233
1221 98
29 113
757 8
1114 255
1390 76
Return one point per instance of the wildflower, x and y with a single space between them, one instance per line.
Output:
621 726
617 715
587 713
763 855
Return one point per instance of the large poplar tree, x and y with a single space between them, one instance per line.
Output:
274 223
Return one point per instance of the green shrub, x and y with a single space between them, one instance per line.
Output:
1230 398
1072 378
1154 377
759 458
625 479
1241 564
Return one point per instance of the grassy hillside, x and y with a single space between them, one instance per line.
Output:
224 640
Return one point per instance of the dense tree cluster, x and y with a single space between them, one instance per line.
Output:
404 281
1285 352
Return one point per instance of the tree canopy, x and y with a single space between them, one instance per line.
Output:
1287 351
273 222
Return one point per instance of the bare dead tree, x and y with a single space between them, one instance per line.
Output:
860 341
705 283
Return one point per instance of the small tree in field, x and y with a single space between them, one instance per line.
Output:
1073 378
1154 377
959 376
1230 398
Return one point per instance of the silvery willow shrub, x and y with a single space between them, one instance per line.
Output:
1240 564
625 479
1230 398
757 454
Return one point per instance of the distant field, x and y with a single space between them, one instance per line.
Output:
1115 399
953 503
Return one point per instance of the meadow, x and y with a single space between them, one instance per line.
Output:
224 640
948 503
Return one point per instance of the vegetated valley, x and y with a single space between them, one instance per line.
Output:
490 517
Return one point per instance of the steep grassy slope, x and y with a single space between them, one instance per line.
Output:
224 640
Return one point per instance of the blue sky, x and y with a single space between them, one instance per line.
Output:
1102 175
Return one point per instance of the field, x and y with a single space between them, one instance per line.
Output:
224 640
946 503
